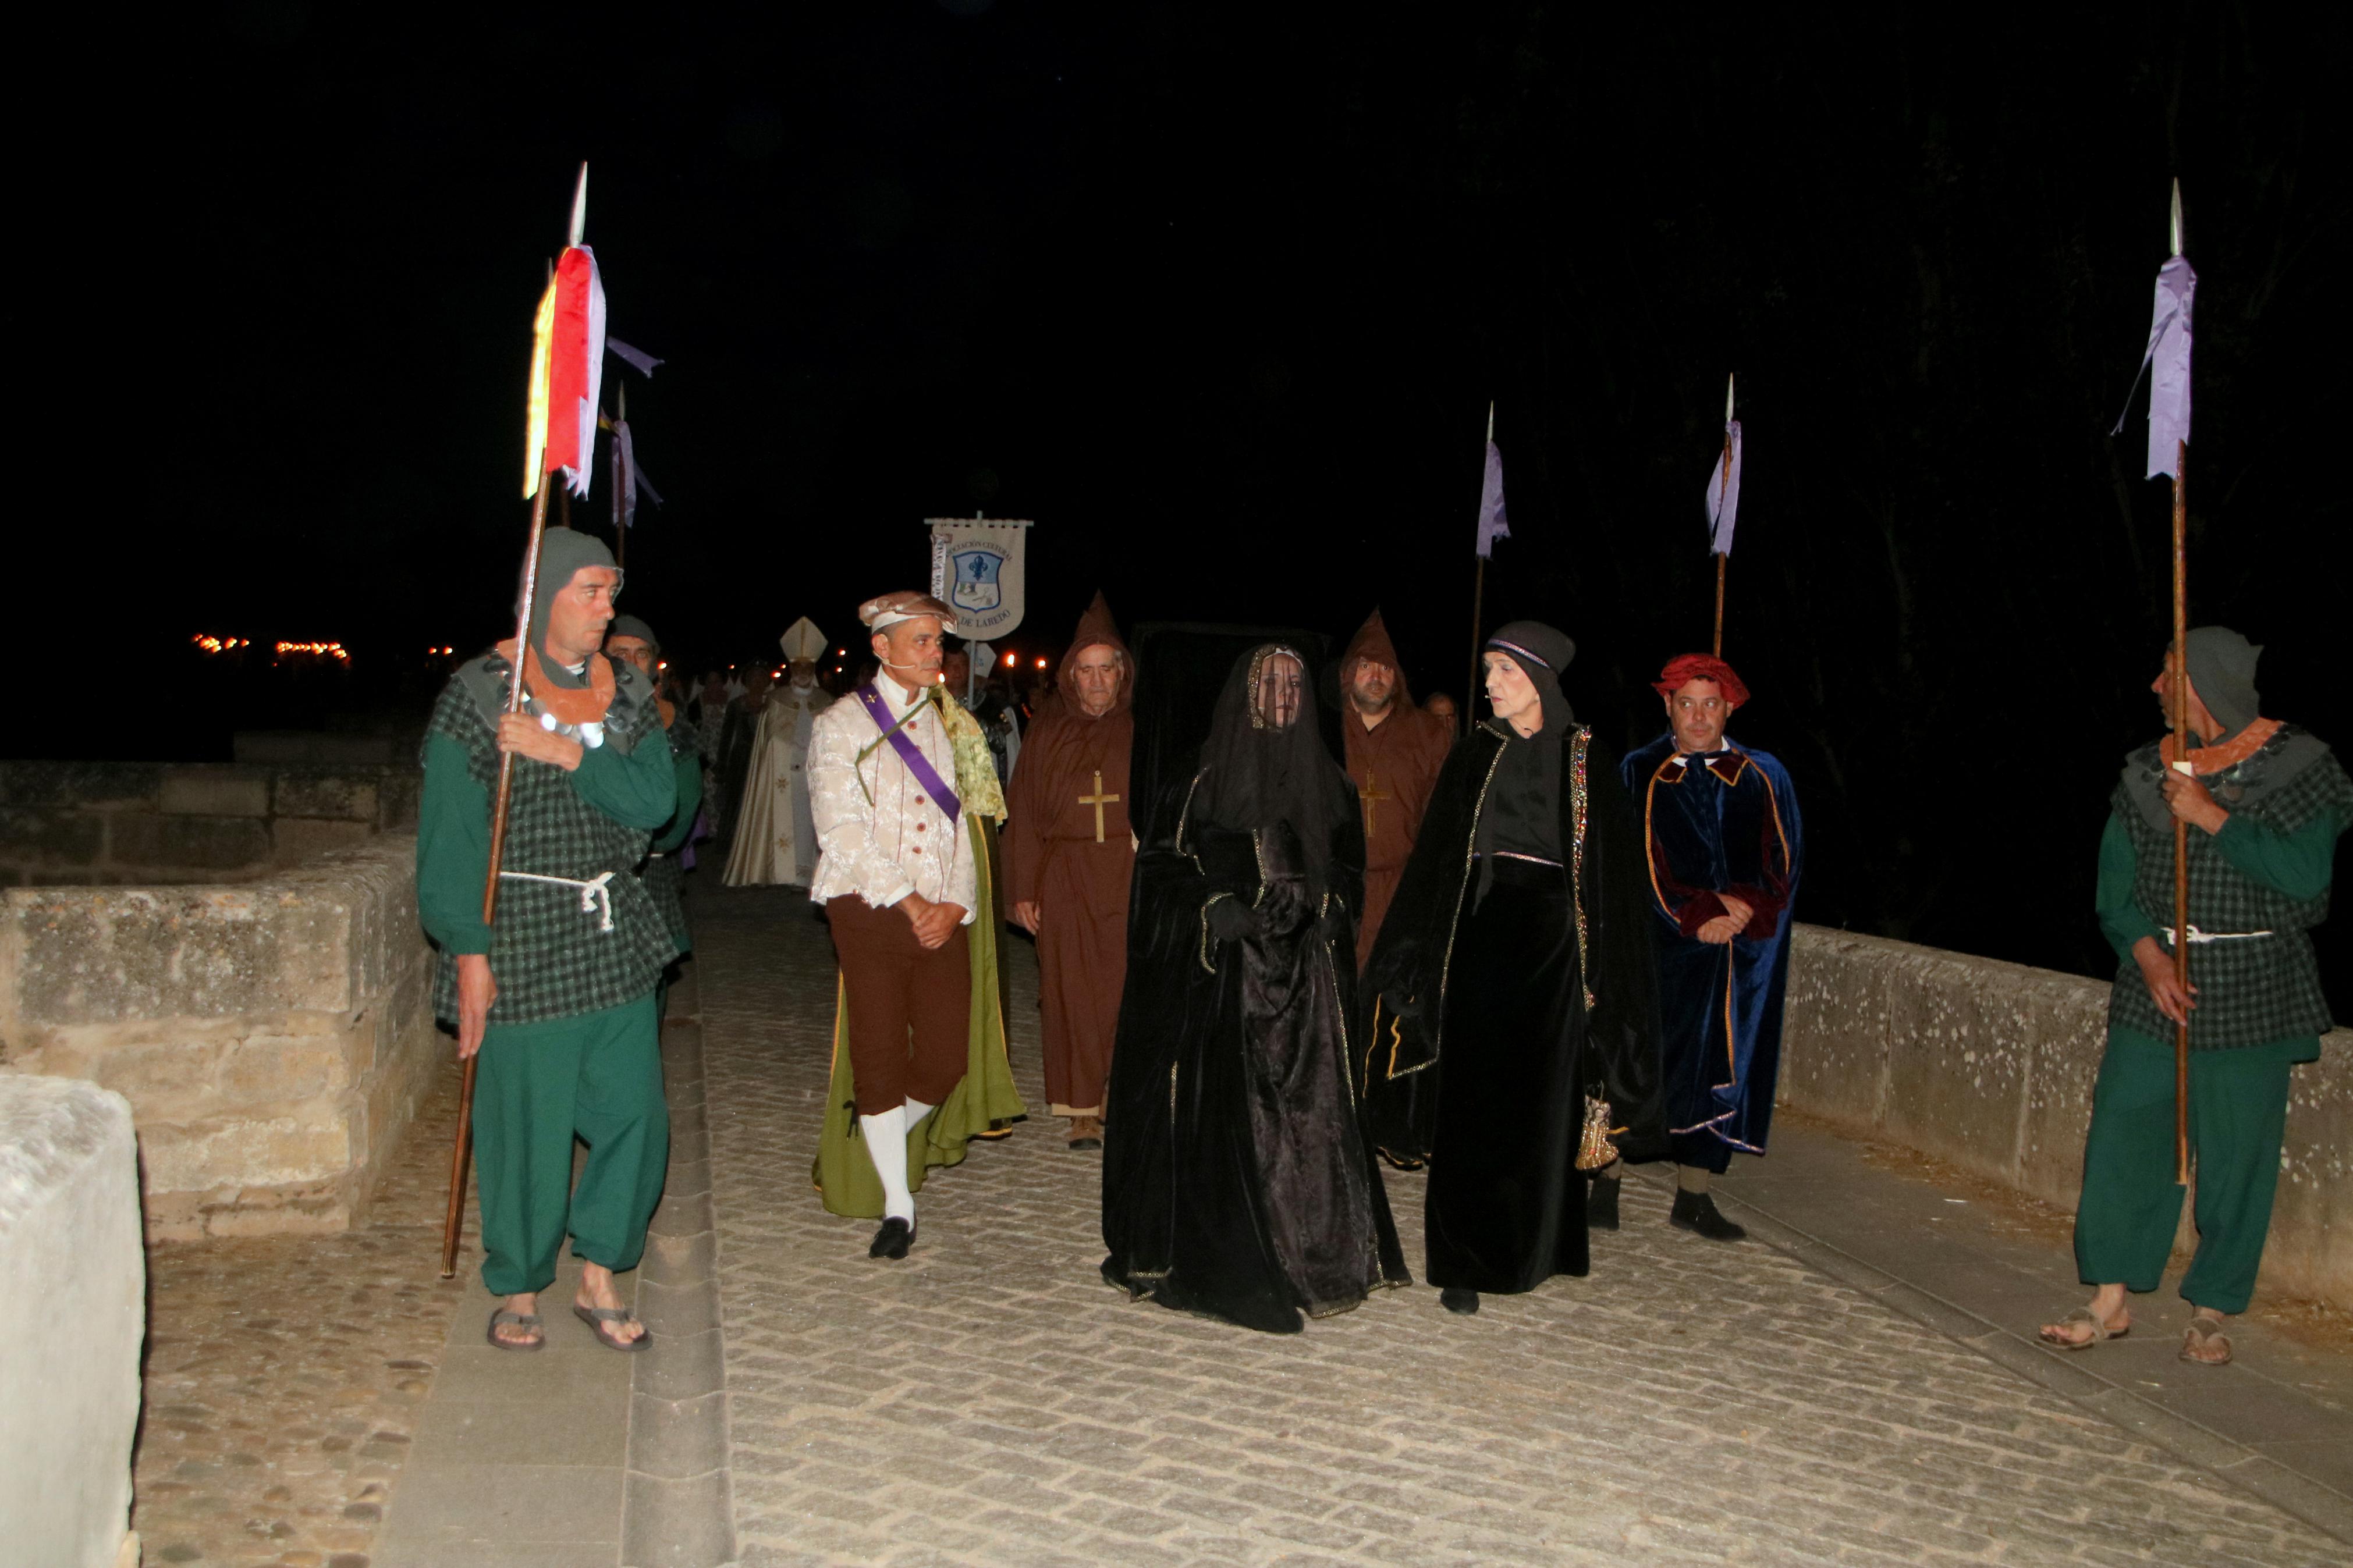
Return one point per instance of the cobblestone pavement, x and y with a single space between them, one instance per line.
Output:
989 1401
285 1374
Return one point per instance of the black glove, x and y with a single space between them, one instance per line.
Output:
1230 919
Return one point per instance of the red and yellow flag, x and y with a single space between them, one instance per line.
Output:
567 367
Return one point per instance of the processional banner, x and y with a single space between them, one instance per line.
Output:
978 568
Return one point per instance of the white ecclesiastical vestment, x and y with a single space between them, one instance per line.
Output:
776 838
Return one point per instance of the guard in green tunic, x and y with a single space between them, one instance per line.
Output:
558 994
2265 802
666 864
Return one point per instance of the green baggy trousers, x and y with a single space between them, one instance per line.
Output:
2131 1207
596 1078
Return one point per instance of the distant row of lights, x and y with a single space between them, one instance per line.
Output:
334 650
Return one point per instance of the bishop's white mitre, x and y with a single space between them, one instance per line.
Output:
804 642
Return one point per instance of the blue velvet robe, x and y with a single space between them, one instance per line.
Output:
1726 824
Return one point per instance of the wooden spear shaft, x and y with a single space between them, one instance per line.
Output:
1719 606
2180 828
620 516
453 1220
1478 594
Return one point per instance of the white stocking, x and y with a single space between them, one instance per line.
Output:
916 1111
886 1145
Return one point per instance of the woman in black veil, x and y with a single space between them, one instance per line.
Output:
1236 1179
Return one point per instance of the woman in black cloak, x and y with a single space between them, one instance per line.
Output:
1237 1179
1513 978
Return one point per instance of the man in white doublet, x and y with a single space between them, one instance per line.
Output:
775 839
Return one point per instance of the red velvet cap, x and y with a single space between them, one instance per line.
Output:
1687 668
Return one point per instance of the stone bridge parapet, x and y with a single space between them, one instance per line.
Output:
272 1036
1989 1065
141 824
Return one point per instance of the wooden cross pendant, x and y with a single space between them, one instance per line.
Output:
1099 800
1371 795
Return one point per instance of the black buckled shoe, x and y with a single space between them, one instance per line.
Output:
1461 1302
1601 1203
894 1239
1697 1212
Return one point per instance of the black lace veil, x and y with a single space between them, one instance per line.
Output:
1265 757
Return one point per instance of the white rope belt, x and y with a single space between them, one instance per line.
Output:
595 897
2197 936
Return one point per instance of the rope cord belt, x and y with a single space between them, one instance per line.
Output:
596 894
2197 936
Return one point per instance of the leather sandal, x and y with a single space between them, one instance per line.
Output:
2205 1330
600 1320
2083 1315
502 1318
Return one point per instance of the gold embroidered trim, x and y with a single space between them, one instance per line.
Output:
1578 746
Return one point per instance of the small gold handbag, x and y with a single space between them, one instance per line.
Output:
1594 1148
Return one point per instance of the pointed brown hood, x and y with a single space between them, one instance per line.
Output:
1372 641
1096 628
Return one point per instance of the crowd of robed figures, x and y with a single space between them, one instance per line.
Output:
1508 957
1267 965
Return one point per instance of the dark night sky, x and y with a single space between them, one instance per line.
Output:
1219 299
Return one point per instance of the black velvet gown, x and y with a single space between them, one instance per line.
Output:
1237 1178
1502 993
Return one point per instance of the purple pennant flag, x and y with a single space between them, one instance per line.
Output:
634 482
637 359
2166 362
1491 526
1723 497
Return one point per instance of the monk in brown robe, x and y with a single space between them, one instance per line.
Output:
1395 750
1067 857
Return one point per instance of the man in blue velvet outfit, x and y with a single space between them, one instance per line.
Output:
1721 820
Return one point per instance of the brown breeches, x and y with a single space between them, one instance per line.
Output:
895 988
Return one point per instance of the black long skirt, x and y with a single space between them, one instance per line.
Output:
1506 1203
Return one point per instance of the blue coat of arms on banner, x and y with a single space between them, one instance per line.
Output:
977 585
979 568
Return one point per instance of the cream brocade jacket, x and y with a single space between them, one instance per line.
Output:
900 841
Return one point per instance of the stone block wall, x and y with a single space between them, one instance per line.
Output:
1989 1065
73 1291
149 823
272 1036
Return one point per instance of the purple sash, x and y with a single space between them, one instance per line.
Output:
917 763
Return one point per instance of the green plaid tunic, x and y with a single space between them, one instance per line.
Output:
2249 991
548 955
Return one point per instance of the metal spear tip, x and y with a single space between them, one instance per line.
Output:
1727 397
1491 419
580 206
2177 216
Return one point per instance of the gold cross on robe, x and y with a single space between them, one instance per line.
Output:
1099 800
1371 795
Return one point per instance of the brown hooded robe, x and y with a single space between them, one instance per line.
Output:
1393 767
1073 856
